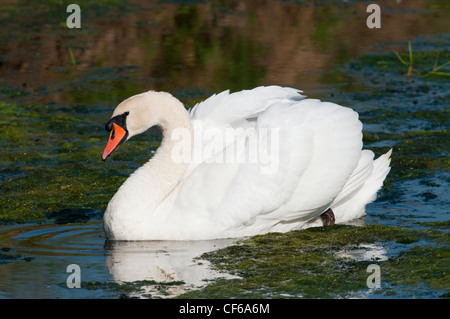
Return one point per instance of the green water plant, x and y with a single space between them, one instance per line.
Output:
410 62
72 57
317 263
436 68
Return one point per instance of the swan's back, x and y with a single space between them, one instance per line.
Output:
234 109
314 147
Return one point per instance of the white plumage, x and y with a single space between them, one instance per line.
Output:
260 160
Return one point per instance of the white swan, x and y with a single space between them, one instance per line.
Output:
241 164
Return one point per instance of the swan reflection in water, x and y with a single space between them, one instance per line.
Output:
164 262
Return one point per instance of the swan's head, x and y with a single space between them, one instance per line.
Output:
134 116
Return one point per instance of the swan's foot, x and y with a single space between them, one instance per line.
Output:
328 217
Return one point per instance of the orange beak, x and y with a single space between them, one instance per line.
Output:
116 137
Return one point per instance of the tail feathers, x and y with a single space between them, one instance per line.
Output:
358 192
381 168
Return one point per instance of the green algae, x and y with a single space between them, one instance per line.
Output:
134 289
307 264
49 163
424 264
409 115
418 153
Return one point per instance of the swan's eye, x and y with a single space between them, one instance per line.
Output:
108 126
119 120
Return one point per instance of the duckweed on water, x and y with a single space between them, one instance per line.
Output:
133 289
308 264
49 163
411 116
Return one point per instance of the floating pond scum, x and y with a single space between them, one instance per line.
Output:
58 86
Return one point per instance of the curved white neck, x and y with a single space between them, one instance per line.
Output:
149 185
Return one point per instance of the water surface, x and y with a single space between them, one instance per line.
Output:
35 264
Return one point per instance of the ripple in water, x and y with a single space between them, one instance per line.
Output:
34 260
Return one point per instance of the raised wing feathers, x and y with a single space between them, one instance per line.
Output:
311 149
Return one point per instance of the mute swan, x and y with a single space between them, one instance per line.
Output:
241 164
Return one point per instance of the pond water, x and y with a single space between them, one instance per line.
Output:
38 266
59 86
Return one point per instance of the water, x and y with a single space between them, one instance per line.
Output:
58 87
40 256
